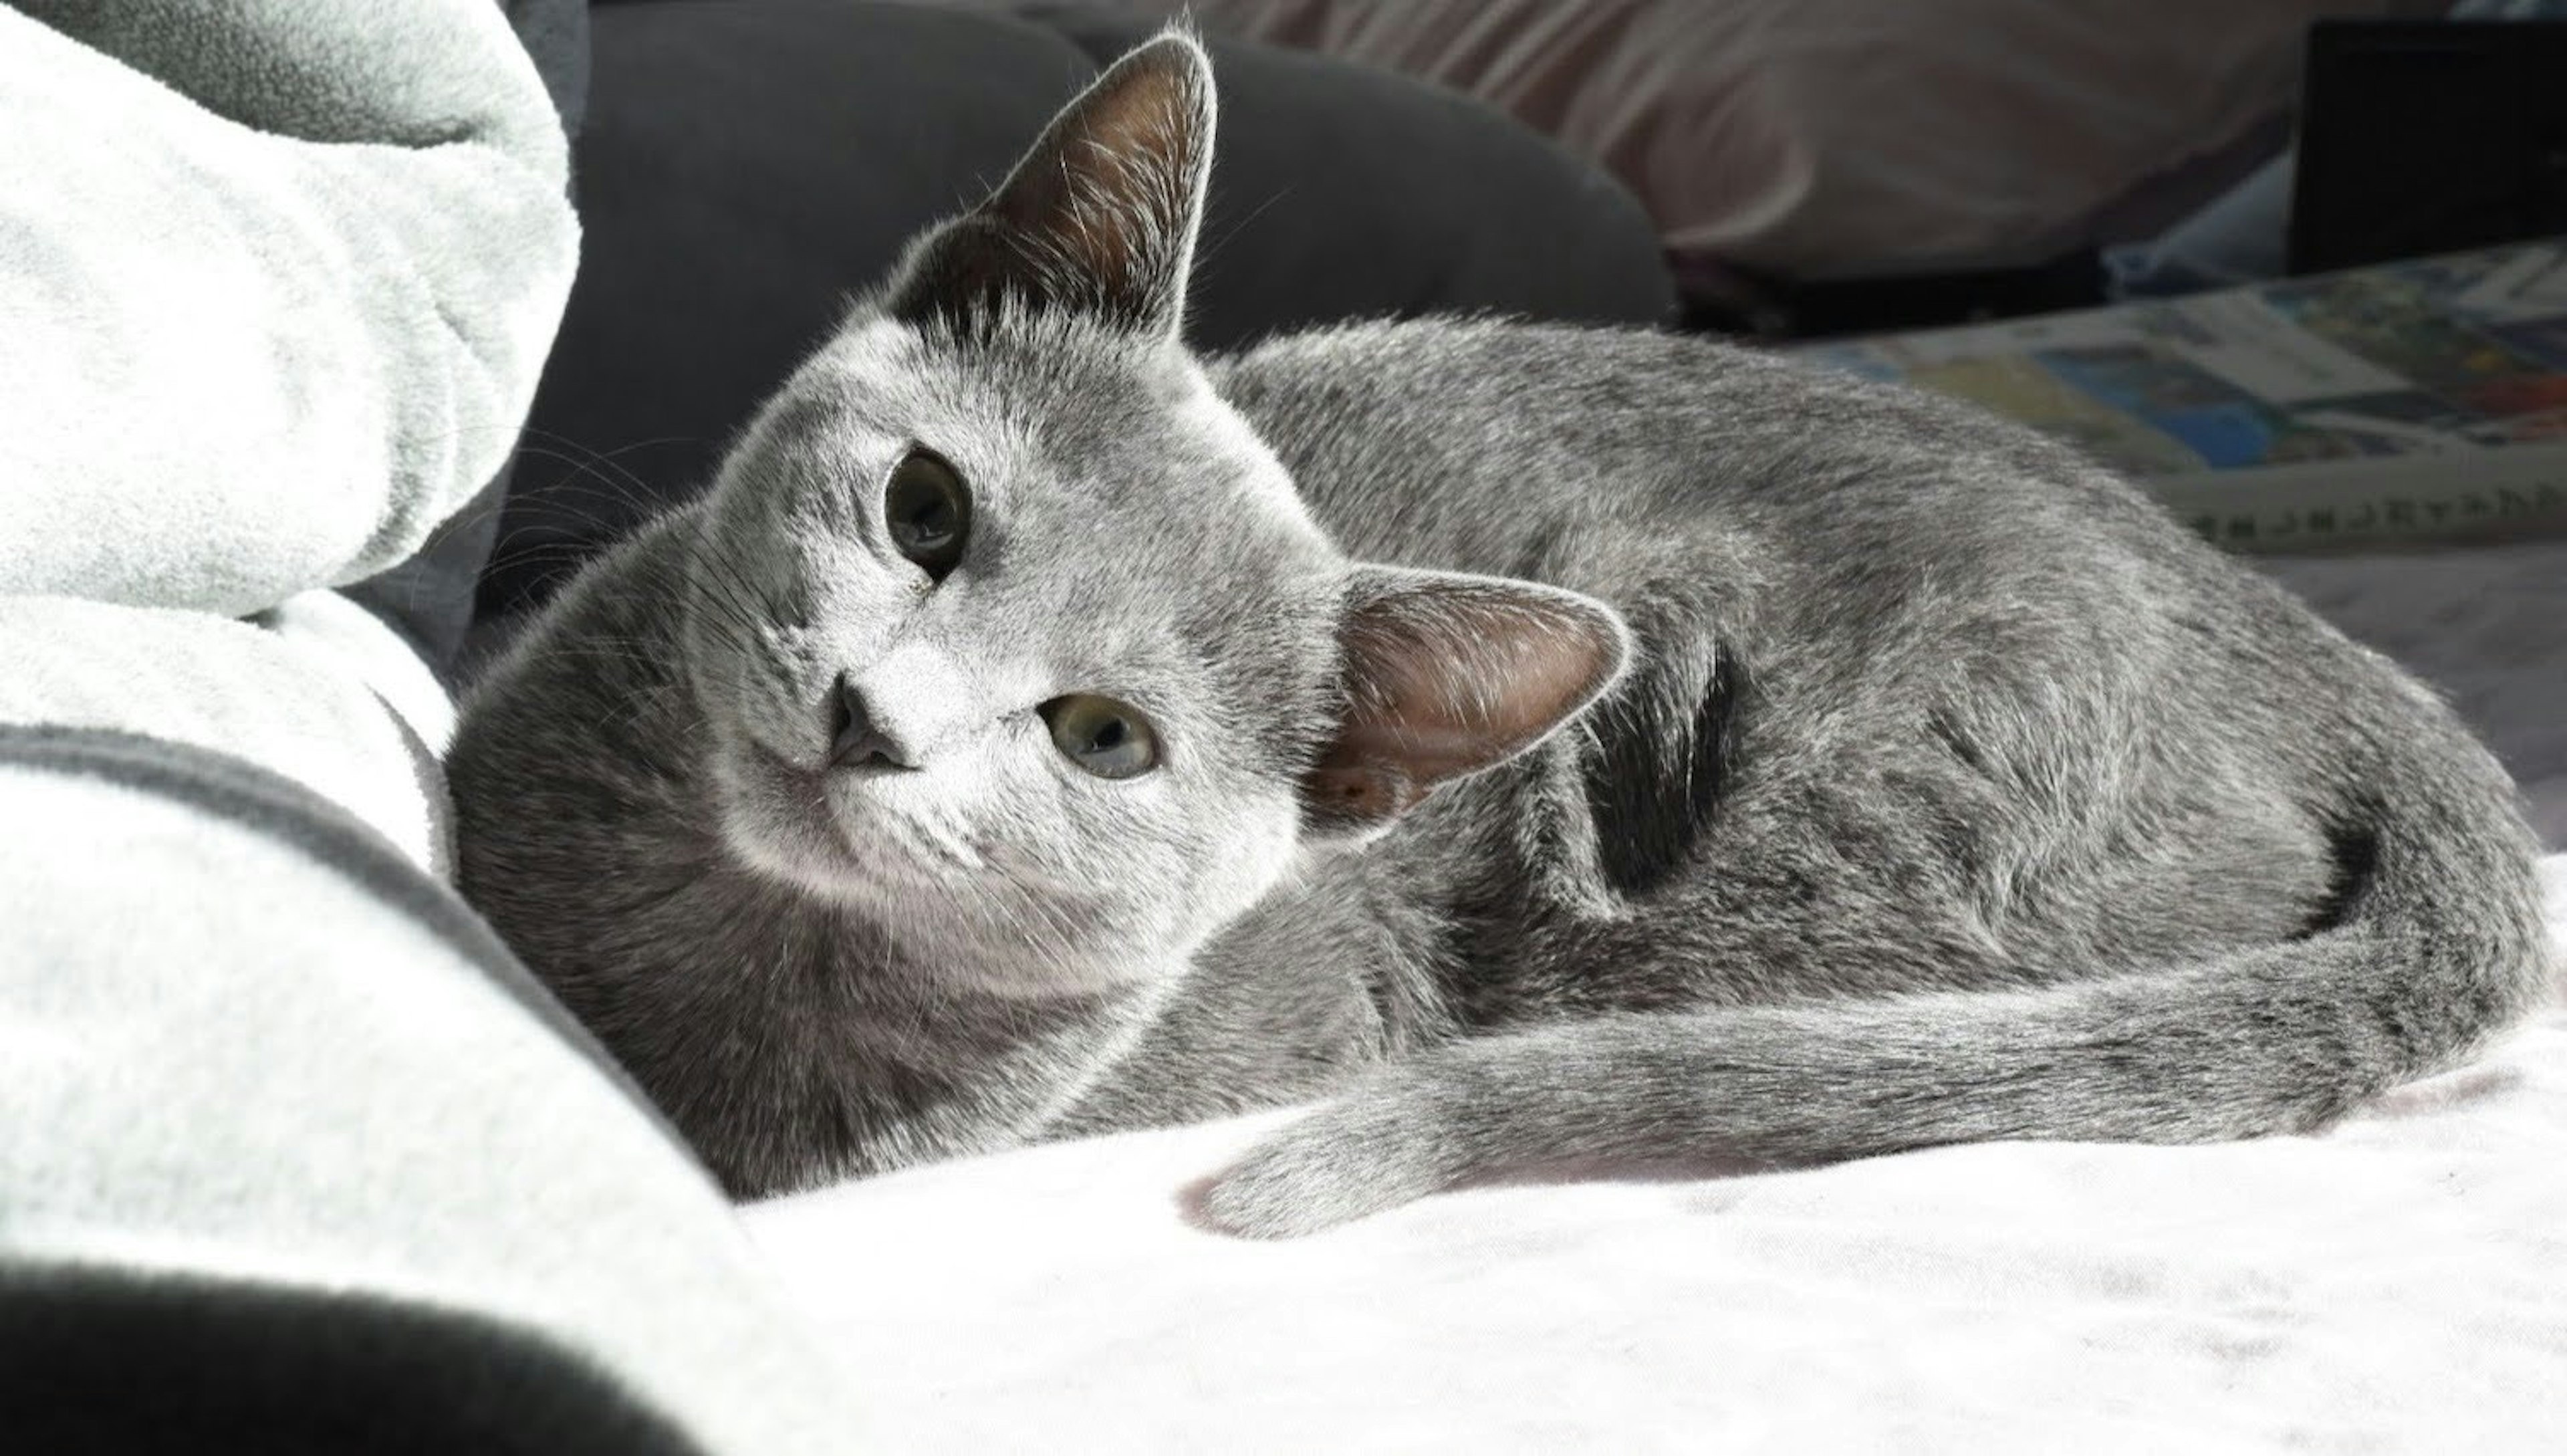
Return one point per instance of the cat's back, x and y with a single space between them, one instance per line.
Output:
1628 463
1937 627
1478 441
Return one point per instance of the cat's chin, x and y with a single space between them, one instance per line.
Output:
776 820
810 862
920 910
797 850
847 849
785 824
808 853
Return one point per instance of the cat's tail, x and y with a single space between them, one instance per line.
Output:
2439 947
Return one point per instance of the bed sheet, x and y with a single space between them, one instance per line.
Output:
2396 1284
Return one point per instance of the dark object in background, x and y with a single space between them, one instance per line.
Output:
1780 309
2414 137
742 169
2422 138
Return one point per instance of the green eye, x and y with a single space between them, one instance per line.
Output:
1107 738
928 510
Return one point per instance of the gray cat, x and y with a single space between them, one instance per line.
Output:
1546 744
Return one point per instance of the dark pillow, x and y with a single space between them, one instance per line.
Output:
745 169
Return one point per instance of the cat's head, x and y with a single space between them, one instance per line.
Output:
1012 636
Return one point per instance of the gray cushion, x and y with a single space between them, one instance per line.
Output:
744 168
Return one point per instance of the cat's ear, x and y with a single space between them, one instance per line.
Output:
1444 674
1099 218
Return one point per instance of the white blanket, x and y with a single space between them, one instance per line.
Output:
286 1138
2398 1285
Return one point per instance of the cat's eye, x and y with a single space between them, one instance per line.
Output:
1107 738
928 512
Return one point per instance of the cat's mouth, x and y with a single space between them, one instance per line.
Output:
790 776
777 816
873 845
824 830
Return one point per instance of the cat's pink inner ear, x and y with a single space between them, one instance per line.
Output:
1445 676
1112 192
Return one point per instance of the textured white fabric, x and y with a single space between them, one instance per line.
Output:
2398 1285
292 703
358 644
228 1059
276 279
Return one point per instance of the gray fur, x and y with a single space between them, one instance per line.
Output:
1862 774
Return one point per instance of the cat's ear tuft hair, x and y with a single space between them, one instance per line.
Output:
1444 674
1099 218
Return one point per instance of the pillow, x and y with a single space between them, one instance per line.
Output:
1837 138
741 168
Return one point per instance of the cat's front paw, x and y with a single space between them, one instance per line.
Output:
1368 1152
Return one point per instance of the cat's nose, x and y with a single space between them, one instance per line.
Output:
855 739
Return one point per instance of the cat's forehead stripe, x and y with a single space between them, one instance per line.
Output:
884 350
